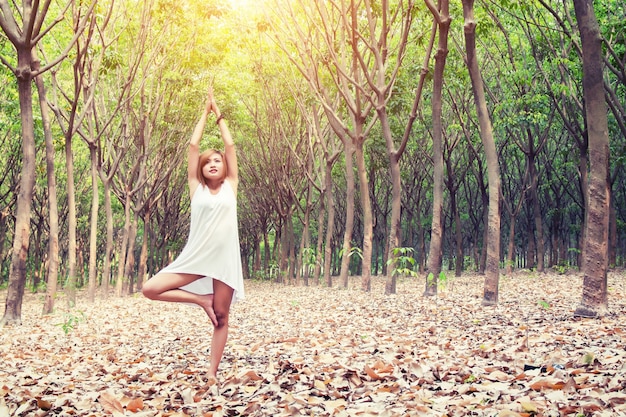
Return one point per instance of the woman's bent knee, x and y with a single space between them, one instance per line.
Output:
148 291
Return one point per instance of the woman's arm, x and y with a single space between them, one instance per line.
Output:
229 145
194 147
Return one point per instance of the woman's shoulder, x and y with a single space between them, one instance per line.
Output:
195 187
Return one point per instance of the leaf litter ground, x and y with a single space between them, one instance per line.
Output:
318 351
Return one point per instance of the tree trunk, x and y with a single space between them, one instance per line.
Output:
129 269
108 251
70 284
435 251
534 196
396 205
53 239
368 226
349 227
123 249
142 274
492 271
305 243
458 234
93 225
319 246
21 237
595 250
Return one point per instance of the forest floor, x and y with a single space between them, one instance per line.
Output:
318 351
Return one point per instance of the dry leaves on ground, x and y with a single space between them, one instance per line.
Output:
326 352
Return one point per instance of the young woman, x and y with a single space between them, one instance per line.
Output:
208 270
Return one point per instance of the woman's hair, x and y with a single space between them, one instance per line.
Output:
204 157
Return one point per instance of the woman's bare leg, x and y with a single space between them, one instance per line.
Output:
166 287
223 295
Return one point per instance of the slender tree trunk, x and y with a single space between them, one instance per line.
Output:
70 284
291 249
347 234
435 251
458 234
93 226
129 269
53 239
142 274
368 225
319 258
595 250
482 264
330 225
21 237
123 250
492 272
534 195
396 205
305 243
108 251
266 251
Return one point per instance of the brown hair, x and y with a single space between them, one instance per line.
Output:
202 160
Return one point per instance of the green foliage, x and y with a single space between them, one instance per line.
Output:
354 250
70 321
403 262
470 379
443 281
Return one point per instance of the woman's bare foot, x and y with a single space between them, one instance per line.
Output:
208 308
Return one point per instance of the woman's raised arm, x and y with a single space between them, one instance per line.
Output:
194 147
229 145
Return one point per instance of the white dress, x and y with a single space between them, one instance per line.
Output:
212 249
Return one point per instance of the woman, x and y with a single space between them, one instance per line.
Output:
208 270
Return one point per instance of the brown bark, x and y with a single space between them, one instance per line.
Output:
366 206
142 273
330 224
53 239
21 239
536 210
70 283
108 250
492 271
123 248
21 39
595 251
349 225
380 72
347 113
435 252
93 225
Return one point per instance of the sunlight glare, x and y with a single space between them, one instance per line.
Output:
237 5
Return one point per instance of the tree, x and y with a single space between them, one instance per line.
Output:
53 240
24 39
595 250
435 251
331 65
492 272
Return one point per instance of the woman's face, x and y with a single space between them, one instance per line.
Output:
213 168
